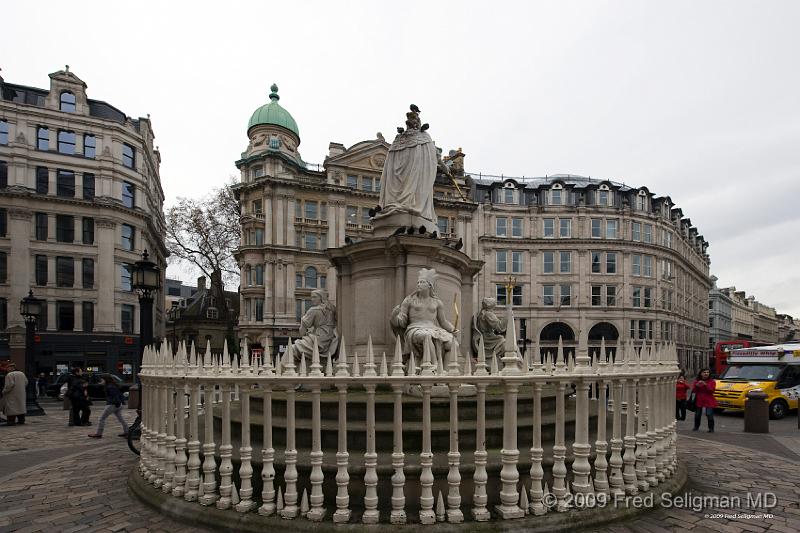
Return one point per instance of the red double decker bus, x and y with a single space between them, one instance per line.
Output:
719 360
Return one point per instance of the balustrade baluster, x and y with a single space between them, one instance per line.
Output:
161 438
509 475
179 480
616 481
268 506
426 513
479 500
152 391
246 502
225 450
454 513
209 461
650 434
398 514
371 514
560 451
316 512
169 441
290 508
600 445
629 458
658 406
537 472
581 469
641 438
193 463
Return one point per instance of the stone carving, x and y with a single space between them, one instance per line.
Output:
455 161
318 323
409 172
421 318
487 325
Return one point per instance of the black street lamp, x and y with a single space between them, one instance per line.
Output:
30 308
146 281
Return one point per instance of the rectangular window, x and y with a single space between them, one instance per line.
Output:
3 174
126 318
611 228
548 295
500 294
566 295
636 265
501 262
88 230
256 207
126 277
3 222
259 274
648 233
259 309
637 297
310 242
65 271
42 138
259 237
323 241
548 262
377 185
89 146
366 184
311 210
596 263
597 295
636 231
65 316
565 262
516 262
87 273
611 262
508 196
65 183
298 280
501 227
88 186
87 315
596 228
565 227
647 266
365 218
555 197
351 214
3 132
548 228
443 224
3 267
611 295
41 226
128 237
643 329
516 227
42 180
648 299
128 156
128 194
352 182
633 329
66 142
602 198
65 228
516 295
3 313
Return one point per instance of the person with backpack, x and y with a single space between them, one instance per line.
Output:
114 401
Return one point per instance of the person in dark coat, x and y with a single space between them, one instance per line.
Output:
114 401
79 397
703 388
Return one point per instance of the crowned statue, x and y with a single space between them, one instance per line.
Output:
421 318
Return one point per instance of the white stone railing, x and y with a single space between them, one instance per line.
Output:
638 385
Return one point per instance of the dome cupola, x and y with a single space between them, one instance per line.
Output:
272 114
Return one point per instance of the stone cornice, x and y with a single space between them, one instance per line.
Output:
20 213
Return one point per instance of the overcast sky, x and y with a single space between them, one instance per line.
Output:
696 100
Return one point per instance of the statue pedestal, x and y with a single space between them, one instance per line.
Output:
386 225
375 275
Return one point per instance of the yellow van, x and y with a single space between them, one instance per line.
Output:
774 370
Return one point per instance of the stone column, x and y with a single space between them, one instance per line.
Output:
105 274
291 213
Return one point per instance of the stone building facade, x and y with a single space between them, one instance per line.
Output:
207 315
80 199
588 259
720 315
752 320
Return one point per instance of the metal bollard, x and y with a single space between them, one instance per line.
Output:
756 413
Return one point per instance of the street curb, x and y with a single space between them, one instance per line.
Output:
193 513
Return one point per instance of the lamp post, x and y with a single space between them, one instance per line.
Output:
146 281
30 308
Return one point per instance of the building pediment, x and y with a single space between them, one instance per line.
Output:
366 155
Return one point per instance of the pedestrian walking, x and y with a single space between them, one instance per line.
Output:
79 397
14 396
113 407
703 388
681 390
41 385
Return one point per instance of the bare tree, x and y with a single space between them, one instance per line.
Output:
205 232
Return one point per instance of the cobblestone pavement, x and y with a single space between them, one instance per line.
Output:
56 479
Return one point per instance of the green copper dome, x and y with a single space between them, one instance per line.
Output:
272 113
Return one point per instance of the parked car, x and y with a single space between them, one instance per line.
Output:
96 388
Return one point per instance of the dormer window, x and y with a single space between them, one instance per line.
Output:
212 302
67 102
257 171
555 195
212 313
641 201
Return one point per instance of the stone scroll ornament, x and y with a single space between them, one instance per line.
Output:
421 317
409 172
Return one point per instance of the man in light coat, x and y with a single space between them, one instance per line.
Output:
14 396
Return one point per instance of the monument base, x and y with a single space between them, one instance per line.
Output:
387 225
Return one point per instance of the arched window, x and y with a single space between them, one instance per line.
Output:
67 102
311 278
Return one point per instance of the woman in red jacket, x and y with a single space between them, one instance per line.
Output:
681 389
704 399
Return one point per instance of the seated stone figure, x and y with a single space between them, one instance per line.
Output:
421 318
487 325
318 323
